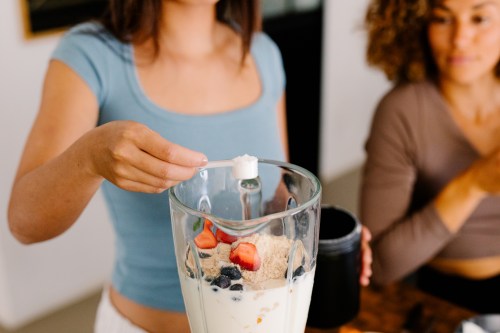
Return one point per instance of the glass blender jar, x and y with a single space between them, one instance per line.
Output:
246 248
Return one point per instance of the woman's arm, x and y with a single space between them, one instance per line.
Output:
66 158
53 183
402 242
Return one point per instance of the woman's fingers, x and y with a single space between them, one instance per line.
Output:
130 178
135 186
139 170
366 235
172 153
366 257
136 158
160 169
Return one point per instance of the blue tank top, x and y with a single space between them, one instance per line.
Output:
145 268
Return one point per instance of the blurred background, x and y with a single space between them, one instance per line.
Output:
331 94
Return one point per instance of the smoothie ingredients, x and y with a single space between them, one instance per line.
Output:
245 283
258 258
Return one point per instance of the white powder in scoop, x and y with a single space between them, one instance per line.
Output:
245 167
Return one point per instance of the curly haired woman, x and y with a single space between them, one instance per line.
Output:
432 175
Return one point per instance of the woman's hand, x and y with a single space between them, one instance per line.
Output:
461 196
135 158
366 257
485 174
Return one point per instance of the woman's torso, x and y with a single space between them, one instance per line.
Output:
439 151
444 152
482 136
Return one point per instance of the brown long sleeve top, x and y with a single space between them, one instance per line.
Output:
413 150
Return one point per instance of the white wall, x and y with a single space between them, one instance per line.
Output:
350 89
37 279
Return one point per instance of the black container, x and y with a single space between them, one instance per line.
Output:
335 296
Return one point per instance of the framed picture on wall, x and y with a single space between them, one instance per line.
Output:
43 16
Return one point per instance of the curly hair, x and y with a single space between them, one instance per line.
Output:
398 42
138 20
397 39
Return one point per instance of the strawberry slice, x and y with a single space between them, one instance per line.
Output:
206 239
245 255
225 238
208 224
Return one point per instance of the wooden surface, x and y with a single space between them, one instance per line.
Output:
386 309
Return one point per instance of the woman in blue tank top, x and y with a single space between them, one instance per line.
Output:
135 103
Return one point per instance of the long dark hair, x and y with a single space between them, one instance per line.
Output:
137 20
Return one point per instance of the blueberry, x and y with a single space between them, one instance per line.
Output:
236 286
222 281
231 272
190 272
299 271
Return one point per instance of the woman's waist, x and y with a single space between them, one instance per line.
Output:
148 318
474 268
